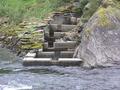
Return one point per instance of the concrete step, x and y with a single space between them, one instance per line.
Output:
64 18
70 61
62 28
49 62
51 39
57 35
66 54
36 61
45 54
33 55
54 49
52 54
67 44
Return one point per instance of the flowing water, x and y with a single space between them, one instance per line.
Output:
13 76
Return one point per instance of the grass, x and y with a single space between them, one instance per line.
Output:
18 10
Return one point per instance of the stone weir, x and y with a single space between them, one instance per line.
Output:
56 50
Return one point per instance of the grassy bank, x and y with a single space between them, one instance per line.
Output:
20 16
17 10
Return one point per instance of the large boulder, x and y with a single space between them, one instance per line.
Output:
100 44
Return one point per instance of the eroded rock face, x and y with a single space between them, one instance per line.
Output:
100 45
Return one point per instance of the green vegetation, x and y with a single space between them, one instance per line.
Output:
89 9
80 10
18 10
20 16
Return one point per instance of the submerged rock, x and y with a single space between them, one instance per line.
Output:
100 44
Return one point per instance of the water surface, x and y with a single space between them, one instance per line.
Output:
13 76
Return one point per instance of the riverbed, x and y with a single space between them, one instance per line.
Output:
14 76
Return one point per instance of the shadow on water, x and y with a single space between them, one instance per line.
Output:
43 71
5 71
38 71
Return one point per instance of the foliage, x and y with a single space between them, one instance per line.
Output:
82 5
89 9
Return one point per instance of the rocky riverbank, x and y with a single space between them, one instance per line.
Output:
21 38
27 35
98 42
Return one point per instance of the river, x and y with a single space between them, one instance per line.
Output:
14 76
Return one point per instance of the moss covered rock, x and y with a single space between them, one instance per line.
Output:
101 37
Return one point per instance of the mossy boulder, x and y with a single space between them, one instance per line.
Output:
101 37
